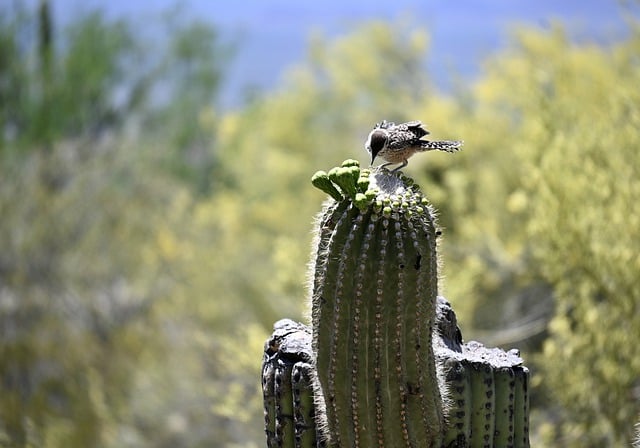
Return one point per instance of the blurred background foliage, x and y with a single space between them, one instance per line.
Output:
149 240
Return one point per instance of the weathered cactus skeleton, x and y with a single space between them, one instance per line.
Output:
384 364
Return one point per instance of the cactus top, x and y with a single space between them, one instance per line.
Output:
388 193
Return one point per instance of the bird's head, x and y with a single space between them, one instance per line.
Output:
376 142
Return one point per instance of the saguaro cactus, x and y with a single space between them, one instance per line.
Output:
373 302
386 360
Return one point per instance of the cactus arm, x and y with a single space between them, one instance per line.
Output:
286 387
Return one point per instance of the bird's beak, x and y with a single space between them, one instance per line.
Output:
374 153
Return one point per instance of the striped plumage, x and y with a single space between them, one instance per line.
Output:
396 143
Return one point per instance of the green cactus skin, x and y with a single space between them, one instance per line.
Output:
289 408
285 426
457 362
384 364
487 397
482 409
303 405
373 303
321 181
268 396
521 407
459 399
504 406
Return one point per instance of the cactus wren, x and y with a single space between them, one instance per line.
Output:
395 143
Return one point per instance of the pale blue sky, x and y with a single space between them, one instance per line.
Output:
272 34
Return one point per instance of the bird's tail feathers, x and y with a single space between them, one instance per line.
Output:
441 145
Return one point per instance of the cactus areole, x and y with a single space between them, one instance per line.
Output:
374 291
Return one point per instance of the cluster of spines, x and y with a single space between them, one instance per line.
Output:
373 303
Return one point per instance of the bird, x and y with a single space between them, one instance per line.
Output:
395 143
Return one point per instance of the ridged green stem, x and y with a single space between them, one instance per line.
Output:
482 408
384 354
459 417
521 407
287 374
504 406
373 301
487 399
303 404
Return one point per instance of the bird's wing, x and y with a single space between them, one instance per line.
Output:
416 128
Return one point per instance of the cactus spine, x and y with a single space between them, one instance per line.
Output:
384 349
